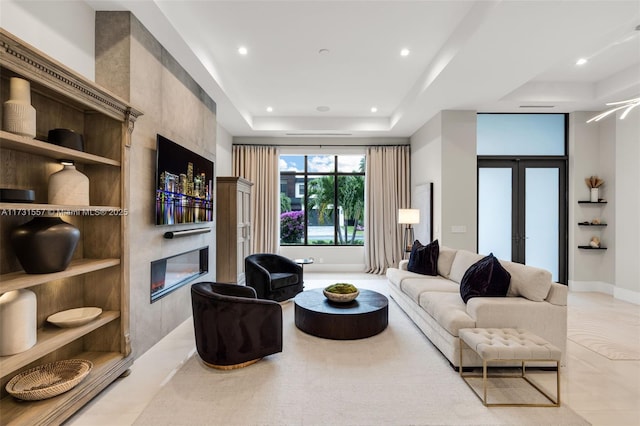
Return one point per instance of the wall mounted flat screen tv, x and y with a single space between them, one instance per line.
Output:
184 185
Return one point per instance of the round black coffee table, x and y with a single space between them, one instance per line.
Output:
364 317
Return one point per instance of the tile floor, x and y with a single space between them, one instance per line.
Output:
603 391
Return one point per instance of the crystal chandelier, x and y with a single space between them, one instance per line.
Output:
629 104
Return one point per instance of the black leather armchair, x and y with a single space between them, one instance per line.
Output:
273 276
233 328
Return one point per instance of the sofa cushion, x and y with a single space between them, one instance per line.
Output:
448 310
558 294
485 278
528 281
445 259
414 287
424 259
396 276
461 263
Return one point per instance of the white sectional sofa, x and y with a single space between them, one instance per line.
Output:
434 303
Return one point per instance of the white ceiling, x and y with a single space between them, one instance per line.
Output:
490 56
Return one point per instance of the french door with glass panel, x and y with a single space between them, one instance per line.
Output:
522 212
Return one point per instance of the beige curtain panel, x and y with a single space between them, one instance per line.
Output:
259 164
388 189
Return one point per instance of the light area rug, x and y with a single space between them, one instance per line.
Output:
394 378
592 329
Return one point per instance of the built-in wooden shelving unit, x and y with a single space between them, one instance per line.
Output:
98 275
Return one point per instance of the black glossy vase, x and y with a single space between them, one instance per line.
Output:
45 244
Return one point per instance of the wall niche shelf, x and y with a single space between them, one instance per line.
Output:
99 273
598 226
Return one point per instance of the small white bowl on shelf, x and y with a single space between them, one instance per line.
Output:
74 317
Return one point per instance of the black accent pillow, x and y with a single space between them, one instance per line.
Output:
485 278
424 259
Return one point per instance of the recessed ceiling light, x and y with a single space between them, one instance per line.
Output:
323 51
374 109
242 50
323 108
581 61
405 52
269 109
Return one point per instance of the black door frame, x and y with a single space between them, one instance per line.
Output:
518 166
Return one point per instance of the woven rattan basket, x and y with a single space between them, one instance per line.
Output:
49 380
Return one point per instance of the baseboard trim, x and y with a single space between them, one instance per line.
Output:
597 286
335 267
627 295
606 288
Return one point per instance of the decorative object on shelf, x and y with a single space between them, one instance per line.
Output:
16 195
68 186
66 138
595 221
49 380
408 217
593 183
595 242
74 317
18 321
341 292
19 116
45 244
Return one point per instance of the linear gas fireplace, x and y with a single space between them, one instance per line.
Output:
173 272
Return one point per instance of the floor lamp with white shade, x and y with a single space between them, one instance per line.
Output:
408 217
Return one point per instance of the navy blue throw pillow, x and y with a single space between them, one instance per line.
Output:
485 278
424 259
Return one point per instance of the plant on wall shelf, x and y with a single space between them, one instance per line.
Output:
594 182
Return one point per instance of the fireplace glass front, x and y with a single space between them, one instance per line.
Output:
173 272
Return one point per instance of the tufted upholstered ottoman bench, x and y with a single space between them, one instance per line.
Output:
509 345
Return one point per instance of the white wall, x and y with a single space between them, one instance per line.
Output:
443 151
328 258
627 216
224 142
591 152
426 166
64 30
460 179
610 149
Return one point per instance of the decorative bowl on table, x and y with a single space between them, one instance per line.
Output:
341 292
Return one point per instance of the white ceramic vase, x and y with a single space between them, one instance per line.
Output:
69 187
18 321
19 116
594 195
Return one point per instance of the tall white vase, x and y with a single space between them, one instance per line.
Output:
19 116
69 187
594 195
18 321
